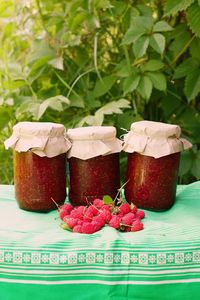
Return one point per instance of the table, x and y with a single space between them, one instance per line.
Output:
41 260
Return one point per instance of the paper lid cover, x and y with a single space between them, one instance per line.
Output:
154 139
42 138
92 141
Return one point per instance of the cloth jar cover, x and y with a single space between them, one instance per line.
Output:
42 138
39 260
154 139
92 141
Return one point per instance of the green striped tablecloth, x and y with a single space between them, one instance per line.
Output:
41 260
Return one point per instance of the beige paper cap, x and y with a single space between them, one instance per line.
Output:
92 141
42 138
154 139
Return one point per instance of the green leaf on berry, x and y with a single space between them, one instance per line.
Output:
65 227
122 228
107 199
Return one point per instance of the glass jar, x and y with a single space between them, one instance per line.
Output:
93 164
39 165
153 164
151 182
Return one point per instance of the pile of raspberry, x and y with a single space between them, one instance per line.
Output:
90 219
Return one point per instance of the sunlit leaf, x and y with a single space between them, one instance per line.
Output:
162 26
140 46
157 42
107 199
57 63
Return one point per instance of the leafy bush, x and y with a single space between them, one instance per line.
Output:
93 62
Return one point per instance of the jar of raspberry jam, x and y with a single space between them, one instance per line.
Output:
93 163
39 165
153 164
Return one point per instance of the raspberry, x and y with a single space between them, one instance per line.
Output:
127 229
100 220
77 228
88 228
65 210
98 203
120 215
106 215
115 222
125 208
105 207
93 210
88 216
71 222
140 214
76 214
137 225
128 219
133 208
81 209
97 225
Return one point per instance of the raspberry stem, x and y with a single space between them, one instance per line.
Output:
55 203
119 190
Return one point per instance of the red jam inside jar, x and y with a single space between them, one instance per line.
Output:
38 180
151 182
93 178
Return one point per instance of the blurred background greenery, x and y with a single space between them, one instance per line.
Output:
93 62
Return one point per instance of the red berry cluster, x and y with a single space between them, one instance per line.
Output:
89 219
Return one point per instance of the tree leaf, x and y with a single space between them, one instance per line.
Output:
158 80
145 87
104 85
113 107
185 68
193 18
107 200
181 37
77 101
108 109
4 117
174 6
57 63
162 26
133 35
91 120
140 46
195 49
153 65
157 42
130 83
192 84
54 103
144 10
77 19
40 49
145 22
139 26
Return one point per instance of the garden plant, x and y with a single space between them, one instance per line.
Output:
101 62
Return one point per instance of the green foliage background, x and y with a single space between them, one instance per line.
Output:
93 62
